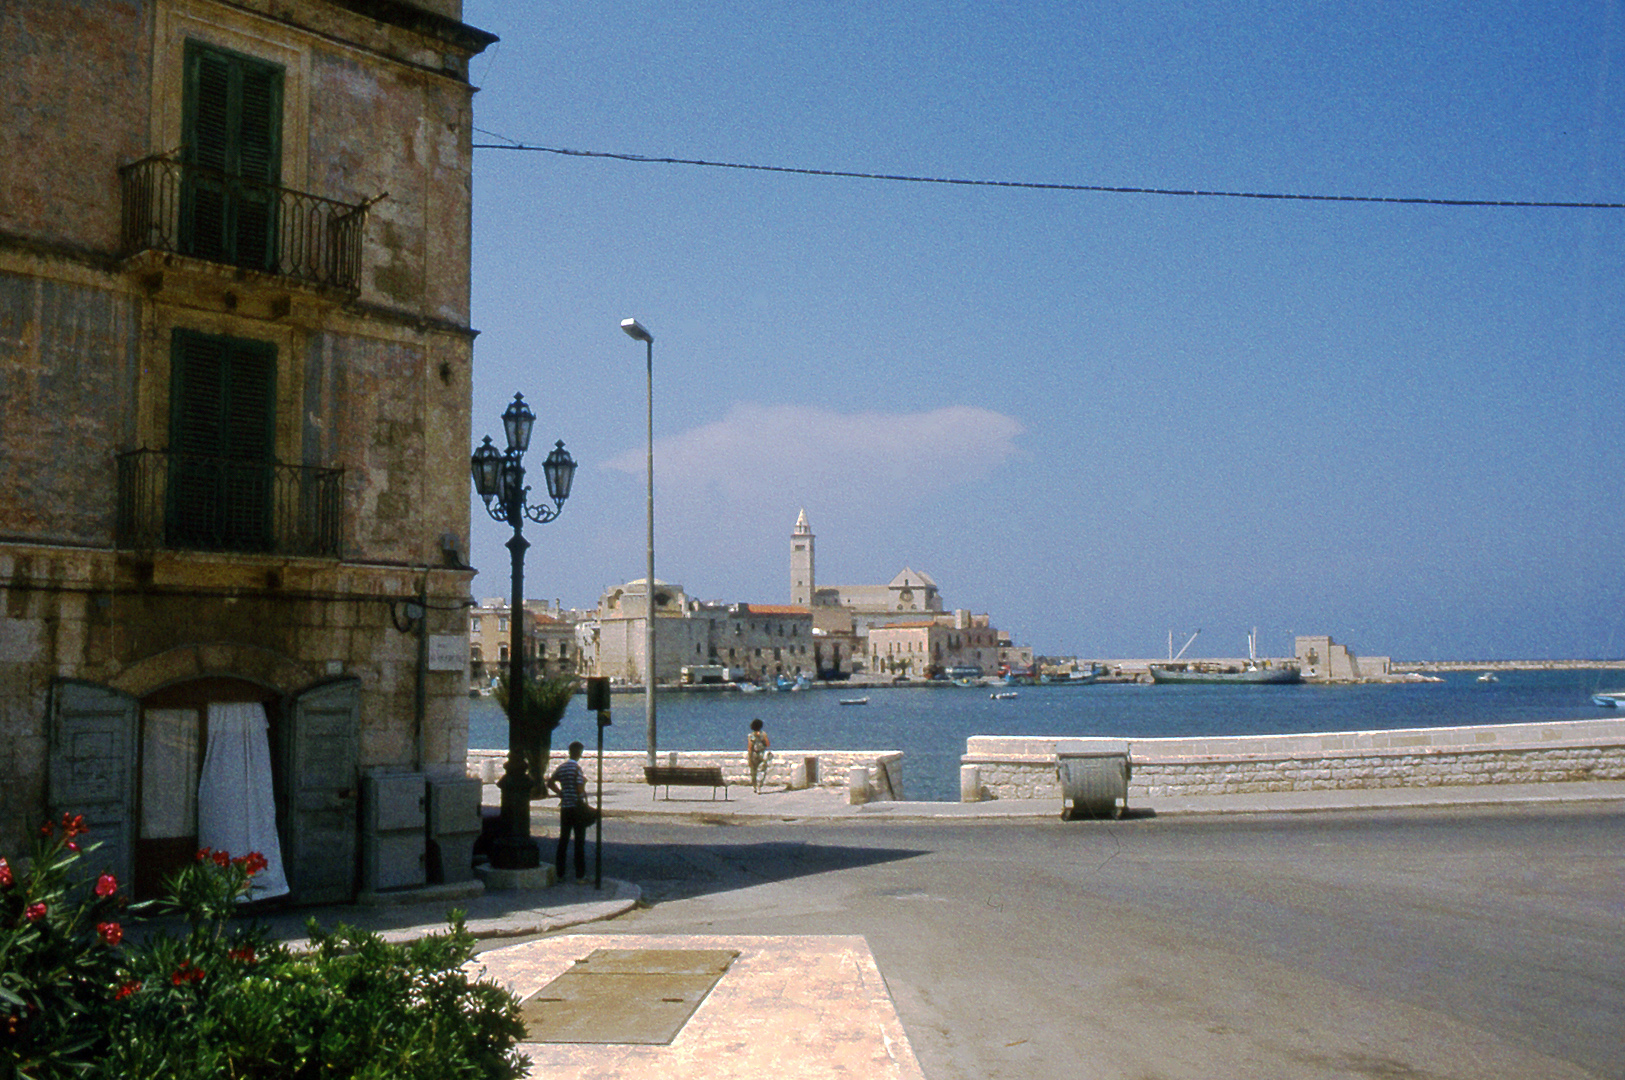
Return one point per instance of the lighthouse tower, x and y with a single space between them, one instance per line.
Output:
801 563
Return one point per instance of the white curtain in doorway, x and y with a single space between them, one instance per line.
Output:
236 811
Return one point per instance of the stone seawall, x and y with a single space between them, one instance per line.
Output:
1009 767
882 774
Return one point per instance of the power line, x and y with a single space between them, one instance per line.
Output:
1105 188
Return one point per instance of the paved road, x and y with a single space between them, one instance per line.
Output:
1418 944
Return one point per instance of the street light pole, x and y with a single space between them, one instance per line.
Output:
501 476
636 331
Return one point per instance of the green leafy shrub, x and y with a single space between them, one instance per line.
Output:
204 994
60 957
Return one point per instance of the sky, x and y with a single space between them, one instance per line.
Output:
1100 418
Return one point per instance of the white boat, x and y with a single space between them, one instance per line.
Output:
1488 676
854 701
1609 699
749 688
1003 695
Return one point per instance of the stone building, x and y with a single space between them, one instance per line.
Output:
235 351
852 609
1321 658
924 649
756 641
551 645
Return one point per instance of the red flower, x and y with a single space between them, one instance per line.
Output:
252 863
203 854
73 825
5 874
245 954
126 990
186 973
106 885
221 859
111 932
34 912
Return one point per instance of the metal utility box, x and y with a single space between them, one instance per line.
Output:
454 826
392 837
1094 780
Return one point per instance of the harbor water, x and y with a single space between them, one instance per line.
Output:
930 724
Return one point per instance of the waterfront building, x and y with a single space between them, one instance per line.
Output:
756 642
1321 658
234 329
552 645
927 648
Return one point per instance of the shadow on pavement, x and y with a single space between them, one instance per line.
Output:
668 871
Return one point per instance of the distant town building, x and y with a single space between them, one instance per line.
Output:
753 641
964 645
1322 658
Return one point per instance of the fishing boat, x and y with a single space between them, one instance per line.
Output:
1260 673
1003 695
1254 672
854 701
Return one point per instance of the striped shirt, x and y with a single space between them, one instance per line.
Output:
571 782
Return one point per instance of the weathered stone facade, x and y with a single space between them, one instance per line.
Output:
103 581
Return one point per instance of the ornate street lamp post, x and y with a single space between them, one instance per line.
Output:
501 476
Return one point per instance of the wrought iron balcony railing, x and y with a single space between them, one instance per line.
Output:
191 210
200 503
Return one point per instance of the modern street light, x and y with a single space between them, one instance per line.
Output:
501 476
635 330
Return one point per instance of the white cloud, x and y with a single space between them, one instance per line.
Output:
760 451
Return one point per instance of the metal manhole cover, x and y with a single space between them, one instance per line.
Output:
634 996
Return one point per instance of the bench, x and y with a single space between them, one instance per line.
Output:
685 776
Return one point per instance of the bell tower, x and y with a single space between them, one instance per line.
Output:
802 586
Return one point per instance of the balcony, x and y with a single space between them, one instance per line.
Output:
199 503
204 213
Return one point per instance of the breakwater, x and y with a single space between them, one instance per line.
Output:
1017 767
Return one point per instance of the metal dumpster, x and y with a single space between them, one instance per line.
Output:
1094 778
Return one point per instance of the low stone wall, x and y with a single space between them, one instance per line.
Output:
1006 767
882 769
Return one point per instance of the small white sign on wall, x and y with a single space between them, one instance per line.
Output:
448 652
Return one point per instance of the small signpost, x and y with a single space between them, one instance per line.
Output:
598 702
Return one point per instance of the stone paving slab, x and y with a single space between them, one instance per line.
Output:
788 1008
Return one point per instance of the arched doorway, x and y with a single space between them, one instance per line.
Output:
172 740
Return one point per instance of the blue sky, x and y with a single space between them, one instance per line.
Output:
1096 417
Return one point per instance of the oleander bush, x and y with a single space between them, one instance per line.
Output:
204 994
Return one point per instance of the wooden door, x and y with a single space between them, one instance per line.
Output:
92 768
320 751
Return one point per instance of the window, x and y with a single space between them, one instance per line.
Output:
474 624
221 440
231 127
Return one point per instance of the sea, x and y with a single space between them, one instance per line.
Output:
930 724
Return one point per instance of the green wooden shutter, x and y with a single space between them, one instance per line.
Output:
232 127
222 442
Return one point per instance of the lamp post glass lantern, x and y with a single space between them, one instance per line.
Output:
500 476
635 330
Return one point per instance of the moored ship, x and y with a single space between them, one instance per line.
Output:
1261 672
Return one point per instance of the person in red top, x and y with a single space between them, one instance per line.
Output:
570 783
